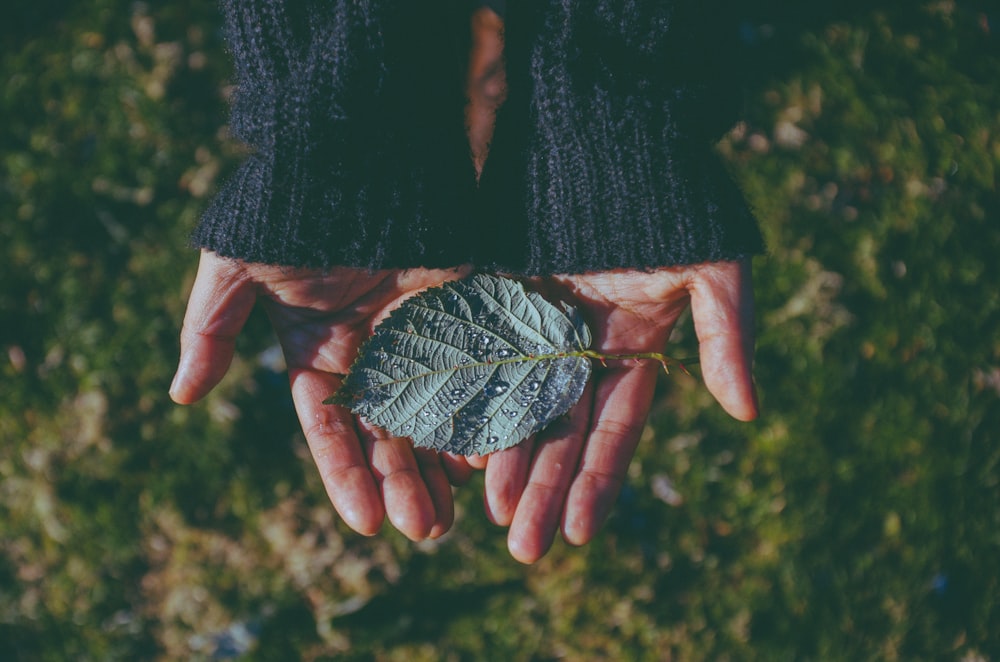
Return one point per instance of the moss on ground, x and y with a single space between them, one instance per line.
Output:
859 518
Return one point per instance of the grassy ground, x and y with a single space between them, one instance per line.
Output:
859 518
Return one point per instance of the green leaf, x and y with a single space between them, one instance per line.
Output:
471 367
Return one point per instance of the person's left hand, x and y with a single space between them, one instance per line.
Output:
321 318
570 474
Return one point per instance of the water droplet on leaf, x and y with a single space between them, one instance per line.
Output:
443 365
496 388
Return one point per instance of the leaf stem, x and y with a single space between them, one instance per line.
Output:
663 359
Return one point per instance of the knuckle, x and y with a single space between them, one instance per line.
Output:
602 482
611 430
325 431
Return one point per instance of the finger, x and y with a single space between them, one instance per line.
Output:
540 507
439 488
415 487
337 451
506 476
457 468
408 501
478 461
220 302
621 403
722 309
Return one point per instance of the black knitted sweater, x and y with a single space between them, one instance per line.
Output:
601 157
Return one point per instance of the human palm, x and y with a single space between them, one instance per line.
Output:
321 318
569 476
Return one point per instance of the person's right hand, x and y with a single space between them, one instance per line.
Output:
321 318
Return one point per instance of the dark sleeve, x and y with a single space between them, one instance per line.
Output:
358 153
354 111
602 156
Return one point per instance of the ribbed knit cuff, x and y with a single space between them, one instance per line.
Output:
602 155
601 158
355 117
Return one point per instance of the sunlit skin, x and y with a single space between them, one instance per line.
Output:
321 319
486 83
567 478
570 475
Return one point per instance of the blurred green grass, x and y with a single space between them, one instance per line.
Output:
859 518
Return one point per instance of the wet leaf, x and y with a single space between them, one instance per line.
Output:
471 367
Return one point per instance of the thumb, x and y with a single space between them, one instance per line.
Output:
220 303
722 309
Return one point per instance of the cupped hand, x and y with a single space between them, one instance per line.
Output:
570 475
321 318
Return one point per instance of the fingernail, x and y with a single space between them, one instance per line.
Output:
177 380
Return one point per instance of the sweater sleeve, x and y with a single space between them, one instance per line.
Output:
602 156
353 111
